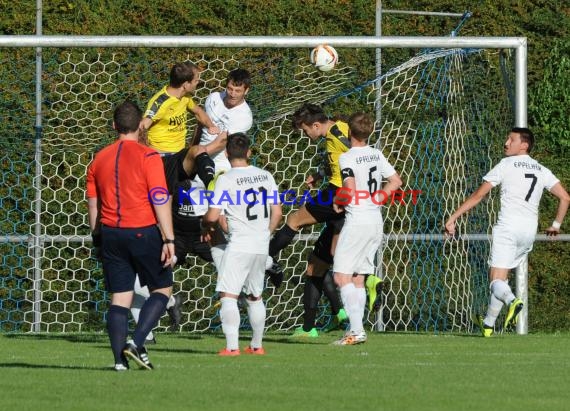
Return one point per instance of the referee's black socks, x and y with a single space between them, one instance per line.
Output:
118 328
151 311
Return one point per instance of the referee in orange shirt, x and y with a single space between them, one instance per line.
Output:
127 197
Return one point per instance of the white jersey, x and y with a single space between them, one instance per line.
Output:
237 119
246 194
368 166
522 180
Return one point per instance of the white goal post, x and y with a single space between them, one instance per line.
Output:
519 44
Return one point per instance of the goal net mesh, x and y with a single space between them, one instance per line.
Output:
441 118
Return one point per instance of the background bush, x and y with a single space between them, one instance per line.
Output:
545 23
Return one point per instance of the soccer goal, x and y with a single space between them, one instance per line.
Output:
443 112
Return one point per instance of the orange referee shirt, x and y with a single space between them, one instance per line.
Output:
121 176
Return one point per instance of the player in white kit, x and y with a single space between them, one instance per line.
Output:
249 197
363 168
522 180
230 112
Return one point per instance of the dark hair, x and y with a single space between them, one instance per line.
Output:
361 126
127 117
526 136
237 146
239 77
308 114
182 72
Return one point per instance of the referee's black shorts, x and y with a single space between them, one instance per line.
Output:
127 252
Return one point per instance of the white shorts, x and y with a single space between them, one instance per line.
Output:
356 249
217 252
510 246
241 271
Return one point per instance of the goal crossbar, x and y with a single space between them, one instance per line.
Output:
261 41
519 44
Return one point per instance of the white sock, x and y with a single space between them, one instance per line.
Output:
139 297
502 291
349 297
256 313
361 298
171 301
229 313
493 310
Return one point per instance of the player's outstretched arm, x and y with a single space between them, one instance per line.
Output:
563 203
218 145
209 222
204 119
344 194
394 182
146 123
313 179
467 205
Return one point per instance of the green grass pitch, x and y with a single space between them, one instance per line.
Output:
392 371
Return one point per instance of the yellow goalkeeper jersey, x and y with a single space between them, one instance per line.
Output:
168 115
337 142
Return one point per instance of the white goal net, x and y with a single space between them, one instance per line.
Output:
443 114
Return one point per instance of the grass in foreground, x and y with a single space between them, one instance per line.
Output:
391 371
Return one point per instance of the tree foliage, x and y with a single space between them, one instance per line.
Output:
549 102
